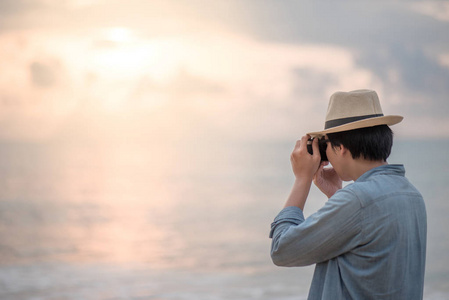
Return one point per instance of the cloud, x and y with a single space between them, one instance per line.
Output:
413 80
45 74
438 10
8 7
269 90
205 82
242 68
444 60
396 46
35 88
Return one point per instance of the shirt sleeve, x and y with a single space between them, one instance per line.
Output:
331 231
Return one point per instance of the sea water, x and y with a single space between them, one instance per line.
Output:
188 220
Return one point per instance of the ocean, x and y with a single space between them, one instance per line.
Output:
177 220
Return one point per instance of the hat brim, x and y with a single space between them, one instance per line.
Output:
385 120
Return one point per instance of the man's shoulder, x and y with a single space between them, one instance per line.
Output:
346 195
380 187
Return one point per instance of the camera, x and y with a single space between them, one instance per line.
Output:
322 145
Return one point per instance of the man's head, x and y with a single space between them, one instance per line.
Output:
358 133
370 143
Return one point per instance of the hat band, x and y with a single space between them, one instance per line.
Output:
342 121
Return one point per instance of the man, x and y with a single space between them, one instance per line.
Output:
369 240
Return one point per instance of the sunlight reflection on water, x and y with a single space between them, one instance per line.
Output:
126 205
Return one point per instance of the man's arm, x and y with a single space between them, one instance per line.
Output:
299 242
304 167
331 231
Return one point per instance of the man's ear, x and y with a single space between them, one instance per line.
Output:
343 150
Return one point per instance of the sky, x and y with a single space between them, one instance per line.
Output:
228 69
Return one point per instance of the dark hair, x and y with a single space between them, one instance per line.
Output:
371 143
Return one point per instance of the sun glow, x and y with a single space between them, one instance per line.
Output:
122 60
128 67
123 54
119 34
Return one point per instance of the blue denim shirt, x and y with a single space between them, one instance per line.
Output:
368 241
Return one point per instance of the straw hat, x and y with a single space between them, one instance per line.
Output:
353 110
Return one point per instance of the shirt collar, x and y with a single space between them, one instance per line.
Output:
398 170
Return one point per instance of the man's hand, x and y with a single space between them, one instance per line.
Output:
305 165
327 180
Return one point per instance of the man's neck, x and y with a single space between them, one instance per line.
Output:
361 166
